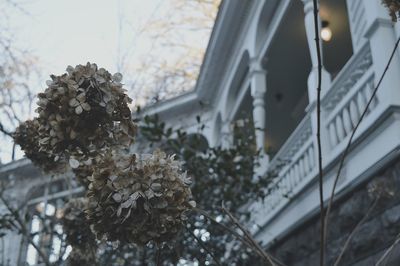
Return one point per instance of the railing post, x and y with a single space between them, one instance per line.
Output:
382 37
226 135
258 90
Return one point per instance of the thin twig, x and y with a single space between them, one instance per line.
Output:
203 246
386 254
24 231
230 230
350 237
249 237
4 131
245 241
320 173
158 255
346 150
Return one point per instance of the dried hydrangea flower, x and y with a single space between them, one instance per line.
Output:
82 165
138 199
394 8
79 257
381 187
83 111
78 233
26 135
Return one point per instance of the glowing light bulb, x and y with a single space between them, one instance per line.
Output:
326 34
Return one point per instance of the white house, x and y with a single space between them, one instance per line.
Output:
261 61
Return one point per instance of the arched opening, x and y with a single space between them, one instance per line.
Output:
237 81
242 123
265 18
288 66
335 33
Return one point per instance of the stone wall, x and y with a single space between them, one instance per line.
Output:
380 195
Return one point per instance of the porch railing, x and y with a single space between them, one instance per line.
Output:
342 106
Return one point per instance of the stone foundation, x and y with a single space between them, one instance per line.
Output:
370 241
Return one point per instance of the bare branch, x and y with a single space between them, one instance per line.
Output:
350 237
388 251
203 246
346 150
320 171
24 230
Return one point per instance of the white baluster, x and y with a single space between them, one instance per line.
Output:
346 121
306 163
332 134
273 199
368 93
311 156
339 128
354 115
361 102
297 173
287 184
281 185
293 176
302 170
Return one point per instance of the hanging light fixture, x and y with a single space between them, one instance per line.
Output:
326 33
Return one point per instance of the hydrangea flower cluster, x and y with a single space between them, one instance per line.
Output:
138 199
84 121
79 257
26 136
83 111
78 233
394 8
75 225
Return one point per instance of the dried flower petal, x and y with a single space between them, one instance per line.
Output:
73 163
26 136
78 115
146 200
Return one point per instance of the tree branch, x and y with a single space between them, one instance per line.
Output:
348 240
346 150
386 254
24 231
4 131
203 246
250 238
320 172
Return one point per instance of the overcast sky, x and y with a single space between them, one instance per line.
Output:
70 32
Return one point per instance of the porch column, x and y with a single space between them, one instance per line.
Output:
382 36
258 89
313 78
310 31
226 135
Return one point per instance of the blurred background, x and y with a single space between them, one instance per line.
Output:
157 45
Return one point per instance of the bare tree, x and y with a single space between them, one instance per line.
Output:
17 73
178 42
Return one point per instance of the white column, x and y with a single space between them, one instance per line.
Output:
226 135
313 78
382 36
310 31
258 90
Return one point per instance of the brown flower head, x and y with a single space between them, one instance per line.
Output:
26 135
138 199
76 228
79 257
84 111
394 8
